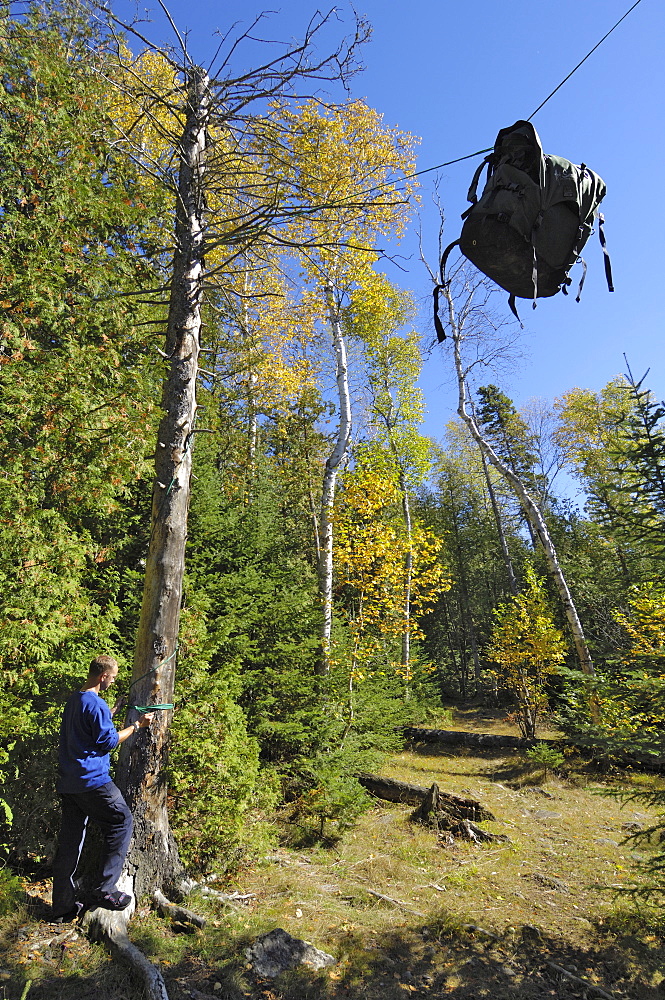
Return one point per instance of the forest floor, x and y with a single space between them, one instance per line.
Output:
498 920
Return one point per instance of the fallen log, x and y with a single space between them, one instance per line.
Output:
589 987
414 795
490 741
493 741
394 902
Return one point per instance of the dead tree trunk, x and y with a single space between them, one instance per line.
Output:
153 861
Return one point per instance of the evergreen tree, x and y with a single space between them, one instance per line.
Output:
77 382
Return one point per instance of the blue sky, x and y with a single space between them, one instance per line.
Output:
454 73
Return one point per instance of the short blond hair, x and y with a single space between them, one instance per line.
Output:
101 664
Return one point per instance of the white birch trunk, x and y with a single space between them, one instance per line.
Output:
330 478
408 581
529 506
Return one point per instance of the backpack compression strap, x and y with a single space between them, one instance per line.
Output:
438 326
608 262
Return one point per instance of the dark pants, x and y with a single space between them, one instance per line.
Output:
106 807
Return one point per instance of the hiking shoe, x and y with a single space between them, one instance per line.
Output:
114 900
69 916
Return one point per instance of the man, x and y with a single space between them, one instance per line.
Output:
87 735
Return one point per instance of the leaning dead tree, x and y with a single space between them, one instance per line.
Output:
459 322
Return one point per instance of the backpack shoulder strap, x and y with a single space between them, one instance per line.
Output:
472 194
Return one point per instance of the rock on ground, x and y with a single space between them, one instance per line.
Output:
277 951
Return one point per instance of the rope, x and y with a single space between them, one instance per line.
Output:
480 152
152 669
590 53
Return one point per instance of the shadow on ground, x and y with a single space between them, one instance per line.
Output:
461 964
434 958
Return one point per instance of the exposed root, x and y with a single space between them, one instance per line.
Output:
179 913
185 886
155 987
110 927
469 831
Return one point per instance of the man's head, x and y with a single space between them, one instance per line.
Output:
103 671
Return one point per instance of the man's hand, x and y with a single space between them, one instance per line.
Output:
120 704
141 723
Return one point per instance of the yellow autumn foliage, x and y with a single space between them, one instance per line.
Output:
371 546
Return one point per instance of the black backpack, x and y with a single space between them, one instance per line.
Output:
531 221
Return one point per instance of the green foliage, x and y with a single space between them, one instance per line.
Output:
323 787
545 756
641 454
12 892
507 432
526 646
630 691
458 509
650 872
219 794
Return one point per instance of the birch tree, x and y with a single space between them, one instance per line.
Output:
351 162
378 314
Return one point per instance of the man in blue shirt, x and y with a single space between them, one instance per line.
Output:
87 735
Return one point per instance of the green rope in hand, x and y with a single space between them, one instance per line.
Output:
150 708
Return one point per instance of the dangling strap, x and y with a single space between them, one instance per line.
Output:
513 309
472 194
608 262
534 263
582 279
438 326
444 260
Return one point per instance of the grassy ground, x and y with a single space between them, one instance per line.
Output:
547 896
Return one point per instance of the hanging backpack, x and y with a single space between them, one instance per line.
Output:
531 221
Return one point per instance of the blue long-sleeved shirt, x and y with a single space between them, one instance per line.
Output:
87 735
